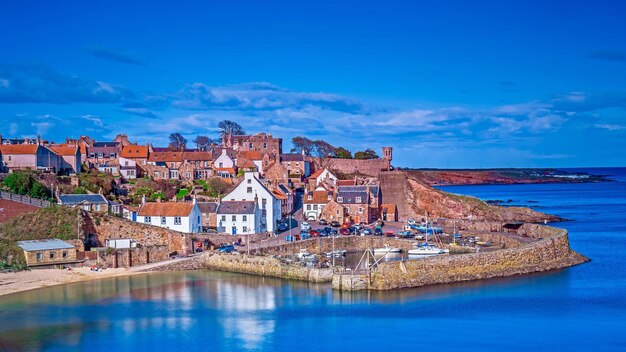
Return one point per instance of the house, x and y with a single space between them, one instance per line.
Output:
389 212
48 253
115 208
262 142
322 176
129 212
70 158
209 215
334 211
182 217
104 157
197 165
164 165
296 164
138 153
362 202
255 159
314 202
252 189
287 204
276 172
87 202
239 218
128 168
120 243
224 161
29 156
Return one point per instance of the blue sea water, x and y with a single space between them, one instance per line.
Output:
580 308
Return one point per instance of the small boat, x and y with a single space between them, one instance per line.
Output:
302 254
336 253
387 249
428 249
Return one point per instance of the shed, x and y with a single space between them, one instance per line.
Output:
389 212
48 252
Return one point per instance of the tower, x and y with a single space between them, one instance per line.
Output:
388 153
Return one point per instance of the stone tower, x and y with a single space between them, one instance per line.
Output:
388 153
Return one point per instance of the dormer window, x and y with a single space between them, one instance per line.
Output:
310 197
358 199
340 199
330 196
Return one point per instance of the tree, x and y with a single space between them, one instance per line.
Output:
231 127
202 142
323 149
216 187
177 141
300 144
366 154
343 153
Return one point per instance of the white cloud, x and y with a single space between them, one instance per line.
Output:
610 127
95 119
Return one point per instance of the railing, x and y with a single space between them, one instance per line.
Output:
40 203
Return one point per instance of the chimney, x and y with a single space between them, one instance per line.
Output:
38 139
195 201
143 199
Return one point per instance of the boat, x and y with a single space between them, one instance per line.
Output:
387 249
336 253
428 249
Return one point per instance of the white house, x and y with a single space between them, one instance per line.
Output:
252 189
314 202
182 217
323 175
239 217
223 161
128 168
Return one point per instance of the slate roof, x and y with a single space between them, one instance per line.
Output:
106 144
165 209
236 207
292 157
75 199
207 207
44 245
350 197
361 188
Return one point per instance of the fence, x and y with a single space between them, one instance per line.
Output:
40 203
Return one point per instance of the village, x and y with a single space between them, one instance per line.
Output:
316 213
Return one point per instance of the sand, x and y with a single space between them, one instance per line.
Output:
30 280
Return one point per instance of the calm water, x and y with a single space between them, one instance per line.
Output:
581 308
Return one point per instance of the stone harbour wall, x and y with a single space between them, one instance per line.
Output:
263 266
126 258
546 254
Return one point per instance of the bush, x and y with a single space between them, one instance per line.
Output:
25 183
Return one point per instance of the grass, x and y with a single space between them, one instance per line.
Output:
55 222
201 183
181 193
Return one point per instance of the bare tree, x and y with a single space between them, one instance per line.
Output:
231 127
202 142
177 141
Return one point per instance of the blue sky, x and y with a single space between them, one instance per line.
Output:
447 84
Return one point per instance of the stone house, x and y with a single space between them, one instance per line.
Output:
197 165
261 142
48 253
322 176
128 168
239 218
362 202
296 164
276 173
87 202
209 215
252 189
334 211
104 157
177 216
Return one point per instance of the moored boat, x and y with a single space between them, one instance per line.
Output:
387 249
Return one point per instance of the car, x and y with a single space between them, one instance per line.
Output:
378 231
226 248
304 226
346 225
283 227
334 224
353 229
405 234
366 231
314 233
323 222
389 233
344 232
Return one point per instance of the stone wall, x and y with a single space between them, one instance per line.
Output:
546 254
371 167
264 266
126 258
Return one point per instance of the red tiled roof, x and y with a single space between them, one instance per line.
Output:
317 173
230 170
279 195
198 156
166 156
165 209
19 149
317 197
250 154
345 182
134 151
64 149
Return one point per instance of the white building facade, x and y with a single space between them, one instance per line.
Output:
182 217
239 218
252 189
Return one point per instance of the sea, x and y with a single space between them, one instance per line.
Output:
582 308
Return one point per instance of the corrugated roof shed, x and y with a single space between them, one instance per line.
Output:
44 245
74 199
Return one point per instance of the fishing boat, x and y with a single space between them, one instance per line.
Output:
336 253
428 249
387 249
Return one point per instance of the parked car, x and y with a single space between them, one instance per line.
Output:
378 231
344 232
323 222
335 224
346 225
226 248
314 233
405 234
283 227
389 234
304 226
366 231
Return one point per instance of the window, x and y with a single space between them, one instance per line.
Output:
188 175
163 175
51 255
177 220
263 202
249 181
39 256
297 163
244 218
314 206
147 220
9 158
249 190
206 164
310 197
308 207
340 199
171 165
223 217
358 199
163 220
64 254
245 229
156 174
234 218
143 162
264 145
360 210
221 164
100 155
250 145
330 196
112 155
92 155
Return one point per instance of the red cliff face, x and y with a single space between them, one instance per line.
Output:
422 198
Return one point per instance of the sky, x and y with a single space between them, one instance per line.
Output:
447 84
